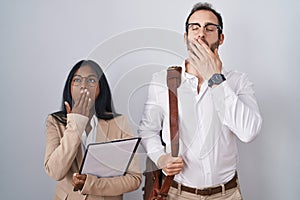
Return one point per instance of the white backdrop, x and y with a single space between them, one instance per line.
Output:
41 41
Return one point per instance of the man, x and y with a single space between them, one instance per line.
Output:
216 106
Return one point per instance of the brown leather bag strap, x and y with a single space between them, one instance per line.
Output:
173 82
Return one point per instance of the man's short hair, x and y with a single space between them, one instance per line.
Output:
204 6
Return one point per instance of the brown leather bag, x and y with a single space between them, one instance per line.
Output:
156 184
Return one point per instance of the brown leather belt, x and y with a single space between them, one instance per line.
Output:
208 191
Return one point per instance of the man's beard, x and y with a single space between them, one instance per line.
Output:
213 45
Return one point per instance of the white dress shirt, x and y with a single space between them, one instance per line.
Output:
209 123
91 137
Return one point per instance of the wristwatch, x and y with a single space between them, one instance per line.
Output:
216 79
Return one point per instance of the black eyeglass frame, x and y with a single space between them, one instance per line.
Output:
194 23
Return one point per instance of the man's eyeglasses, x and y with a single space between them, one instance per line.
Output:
91 81
208 28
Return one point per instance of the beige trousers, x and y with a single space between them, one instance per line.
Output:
232 194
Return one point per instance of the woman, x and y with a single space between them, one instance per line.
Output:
87 116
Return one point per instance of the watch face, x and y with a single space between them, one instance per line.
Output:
216 79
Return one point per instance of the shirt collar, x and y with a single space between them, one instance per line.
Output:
94 122
186 76
91 138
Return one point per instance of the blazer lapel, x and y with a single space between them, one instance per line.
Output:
102 131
